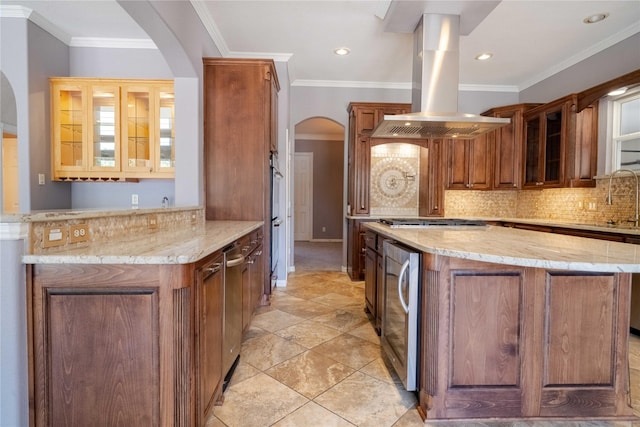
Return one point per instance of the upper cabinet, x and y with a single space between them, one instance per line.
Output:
363 118
506 146
469 164
112 129
560 145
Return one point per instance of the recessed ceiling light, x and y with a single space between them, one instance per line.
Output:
484 56
596 17
617 91
342 51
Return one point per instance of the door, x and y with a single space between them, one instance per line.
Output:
10 194
303 196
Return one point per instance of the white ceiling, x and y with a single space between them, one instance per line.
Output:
530 40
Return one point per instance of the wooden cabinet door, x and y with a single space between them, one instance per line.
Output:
469 164
507 149
362 172
69 127
458 171
370 271
548 130
432 182
584 166
210 279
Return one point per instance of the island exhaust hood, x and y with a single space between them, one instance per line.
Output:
434 92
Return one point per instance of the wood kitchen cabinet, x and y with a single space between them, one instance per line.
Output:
507 146
110 129
560 145
240 131
209 318
539 365
363 118
373 278
470 163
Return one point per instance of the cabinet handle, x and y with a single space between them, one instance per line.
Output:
361 206
435 208
470 185
515 185
214 268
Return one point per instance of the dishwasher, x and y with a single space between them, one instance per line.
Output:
232 320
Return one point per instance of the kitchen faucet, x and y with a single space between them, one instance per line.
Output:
609 199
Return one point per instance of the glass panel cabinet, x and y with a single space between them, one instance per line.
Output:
112 129
69 127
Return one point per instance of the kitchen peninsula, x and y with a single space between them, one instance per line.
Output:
132 328
519 324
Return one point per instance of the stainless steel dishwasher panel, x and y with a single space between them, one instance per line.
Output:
399 332
232 322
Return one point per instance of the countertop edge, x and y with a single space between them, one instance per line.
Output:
209 245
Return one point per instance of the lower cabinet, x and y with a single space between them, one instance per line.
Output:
520 342
129 344
373 278
209 315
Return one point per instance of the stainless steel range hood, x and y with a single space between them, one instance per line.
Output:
434 93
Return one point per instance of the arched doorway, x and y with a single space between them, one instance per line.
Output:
10 200
318 191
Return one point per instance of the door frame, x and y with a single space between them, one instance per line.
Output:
309 189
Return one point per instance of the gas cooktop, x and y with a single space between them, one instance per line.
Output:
429 222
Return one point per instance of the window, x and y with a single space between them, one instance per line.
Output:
626 132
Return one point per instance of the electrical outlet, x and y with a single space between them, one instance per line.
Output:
592 205
324 229
152 221
194 219
78 233
40 179
54 236
134 199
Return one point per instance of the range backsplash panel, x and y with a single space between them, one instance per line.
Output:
393 180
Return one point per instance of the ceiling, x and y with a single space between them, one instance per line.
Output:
529 40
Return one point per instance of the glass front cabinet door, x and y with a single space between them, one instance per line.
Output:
69 128
112 129
148 135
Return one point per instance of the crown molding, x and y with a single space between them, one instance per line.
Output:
12 11
277 57
111 43
210 25
14 230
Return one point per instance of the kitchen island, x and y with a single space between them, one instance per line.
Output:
129 331
518 324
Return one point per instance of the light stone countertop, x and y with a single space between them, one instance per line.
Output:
72 214
163 247
503 245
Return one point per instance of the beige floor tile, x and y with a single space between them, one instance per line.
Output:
367 332
275 320
308 334
259 401
410 419
310 415
366 401
253 331
304 308
349 350
344 319
243 371
268 350
381 370
336 300
310 373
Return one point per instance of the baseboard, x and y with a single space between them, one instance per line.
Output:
281 283
343 269
292 269
325 240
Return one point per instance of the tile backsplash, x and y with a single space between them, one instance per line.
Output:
580 205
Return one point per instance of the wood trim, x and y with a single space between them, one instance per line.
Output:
587 97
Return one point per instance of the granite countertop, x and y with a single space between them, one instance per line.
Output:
164 247
70 214
503 245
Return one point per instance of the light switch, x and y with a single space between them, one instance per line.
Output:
54 236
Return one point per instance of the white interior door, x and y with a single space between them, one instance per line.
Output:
303 196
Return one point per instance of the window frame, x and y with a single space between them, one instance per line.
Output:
614 139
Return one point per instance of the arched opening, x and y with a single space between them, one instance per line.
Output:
318 183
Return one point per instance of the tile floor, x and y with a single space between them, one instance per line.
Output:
312 358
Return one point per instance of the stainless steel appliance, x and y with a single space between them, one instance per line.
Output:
276 177
232 320
399 332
